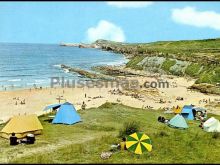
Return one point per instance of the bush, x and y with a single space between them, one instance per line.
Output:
168 64
193 69
107 105
129 128
211 75
216 135
162 133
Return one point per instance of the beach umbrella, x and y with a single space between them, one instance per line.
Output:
138 143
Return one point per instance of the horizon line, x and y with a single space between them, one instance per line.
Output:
5 42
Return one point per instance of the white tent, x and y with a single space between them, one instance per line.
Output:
212 125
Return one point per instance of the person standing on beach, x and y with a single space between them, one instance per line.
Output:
85 95
83 107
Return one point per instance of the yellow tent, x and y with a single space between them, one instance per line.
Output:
21 126
177 110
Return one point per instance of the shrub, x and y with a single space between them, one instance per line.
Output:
167 64
162 133
193 69
129 128
107 105
216 135
211 75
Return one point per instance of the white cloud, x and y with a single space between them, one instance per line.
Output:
193 17
130 4
105 30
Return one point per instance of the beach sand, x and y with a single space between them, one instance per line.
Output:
37 99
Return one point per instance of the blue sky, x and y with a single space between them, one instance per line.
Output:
55 22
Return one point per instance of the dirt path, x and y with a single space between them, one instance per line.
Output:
15 153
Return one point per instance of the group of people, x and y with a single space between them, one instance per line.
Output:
115 91
18 99
179 98
162 101
29 139
204 101
147 107
162 119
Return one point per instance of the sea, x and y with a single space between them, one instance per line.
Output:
24 66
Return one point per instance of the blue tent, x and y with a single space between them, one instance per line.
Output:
66 114
187 112
54 106
178 121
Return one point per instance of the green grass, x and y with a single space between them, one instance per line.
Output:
211 76
167 64
193 69
134 61
187 47
85 141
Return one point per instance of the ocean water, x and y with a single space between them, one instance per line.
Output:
23 65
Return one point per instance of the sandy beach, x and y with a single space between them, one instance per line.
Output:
37 99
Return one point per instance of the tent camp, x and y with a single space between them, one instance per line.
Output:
66 113
188 112
177 110
178 121
212 125
21 126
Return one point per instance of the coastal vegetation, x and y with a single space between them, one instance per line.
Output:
133 63
100 127
167 64
199 59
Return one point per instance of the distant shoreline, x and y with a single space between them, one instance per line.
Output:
81 45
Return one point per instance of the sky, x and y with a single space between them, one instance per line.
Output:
132 22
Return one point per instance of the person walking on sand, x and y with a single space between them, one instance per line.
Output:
85 95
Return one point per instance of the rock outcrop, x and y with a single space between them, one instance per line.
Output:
86 74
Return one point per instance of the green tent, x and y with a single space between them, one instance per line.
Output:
178 121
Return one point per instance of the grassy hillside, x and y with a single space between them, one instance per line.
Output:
84 142
199 59
186 47
190 46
